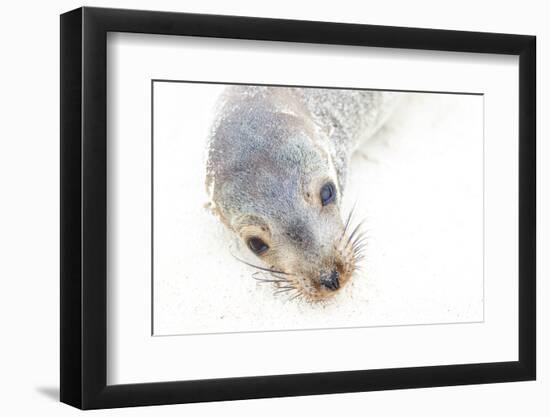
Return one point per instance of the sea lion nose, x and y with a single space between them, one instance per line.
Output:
331 280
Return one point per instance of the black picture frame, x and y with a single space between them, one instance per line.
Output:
83 207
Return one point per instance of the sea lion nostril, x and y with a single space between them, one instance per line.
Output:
331 280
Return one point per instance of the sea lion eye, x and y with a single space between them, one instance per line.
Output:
327 194
257 245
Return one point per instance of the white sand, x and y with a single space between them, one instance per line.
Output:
418 184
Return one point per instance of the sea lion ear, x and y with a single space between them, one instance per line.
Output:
215 203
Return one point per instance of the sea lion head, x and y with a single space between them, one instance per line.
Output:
273 182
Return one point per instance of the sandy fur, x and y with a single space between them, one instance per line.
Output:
270 151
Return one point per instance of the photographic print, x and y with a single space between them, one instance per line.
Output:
278 208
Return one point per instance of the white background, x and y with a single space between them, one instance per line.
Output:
29 229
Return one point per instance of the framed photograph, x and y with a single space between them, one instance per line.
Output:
257 208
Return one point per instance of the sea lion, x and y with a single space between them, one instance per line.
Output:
277 165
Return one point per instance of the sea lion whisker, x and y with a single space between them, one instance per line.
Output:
299 294
276 292
283 290
262 280
287 287
271 277
279 279
259 267
360 235
348 221
358 248
360 243
274 274
258 275
355 230
359 258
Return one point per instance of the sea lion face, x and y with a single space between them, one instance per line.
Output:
281 196
304 246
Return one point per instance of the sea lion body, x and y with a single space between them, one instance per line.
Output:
278 161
